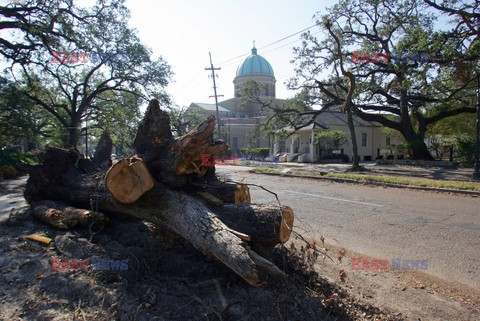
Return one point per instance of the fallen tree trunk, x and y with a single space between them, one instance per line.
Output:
264 223
64 217
230 192
178 179
179 212
227 192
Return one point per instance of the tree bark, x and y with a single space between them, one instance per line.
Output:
420 151
230 192
73 135
103 152
264 223
168 160
227 192
64 217
351 127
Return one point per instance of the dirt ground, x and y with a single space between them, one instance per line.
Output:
414 295
167 279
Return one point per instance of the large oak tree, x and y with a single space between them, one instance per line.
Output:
402 93
102 55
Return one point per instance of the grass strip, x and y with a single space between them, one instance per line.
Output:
422 182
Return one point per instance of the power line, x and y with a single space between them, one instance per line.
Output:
191 83
270 44
287 44
193 79
296 33
233 60
276 48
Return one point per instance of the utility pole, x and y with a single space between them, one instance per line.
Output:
476 173
215 92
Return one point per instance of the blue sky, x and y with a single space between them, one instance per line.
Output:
183 32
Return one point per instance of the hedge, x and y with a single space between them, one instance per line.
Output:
264 152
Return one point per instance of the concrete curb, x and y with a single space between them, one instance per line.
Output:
353 181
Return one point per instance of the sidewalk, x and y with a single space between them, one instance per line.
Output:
437 173
11 196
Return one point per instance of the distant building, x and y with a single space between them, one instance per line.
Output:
209 109
371 140
240 121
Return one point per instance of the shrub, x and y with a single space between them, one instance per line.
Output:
264 152
401 148
9 156
343 157
465 148
227 152
331 139
8 171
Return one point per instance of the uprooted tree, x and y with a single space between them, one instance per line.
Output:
164 183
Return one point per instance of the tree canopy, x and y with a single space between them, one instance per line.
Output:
73 89
32 25
393 86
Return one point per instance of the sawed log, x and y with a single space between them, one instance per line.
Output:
64 217
128 179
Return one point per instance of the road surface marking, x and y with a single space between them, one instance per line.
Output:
334 198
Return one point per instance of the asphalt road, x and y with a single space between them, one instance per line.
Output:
384 223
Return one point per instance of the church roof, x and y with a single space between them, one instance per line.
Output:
331 118
209 107
255 65
334 117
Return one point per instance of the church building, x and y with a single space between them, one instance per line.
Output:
241 121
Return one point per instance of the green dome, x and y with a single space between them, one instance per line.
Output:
254 65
